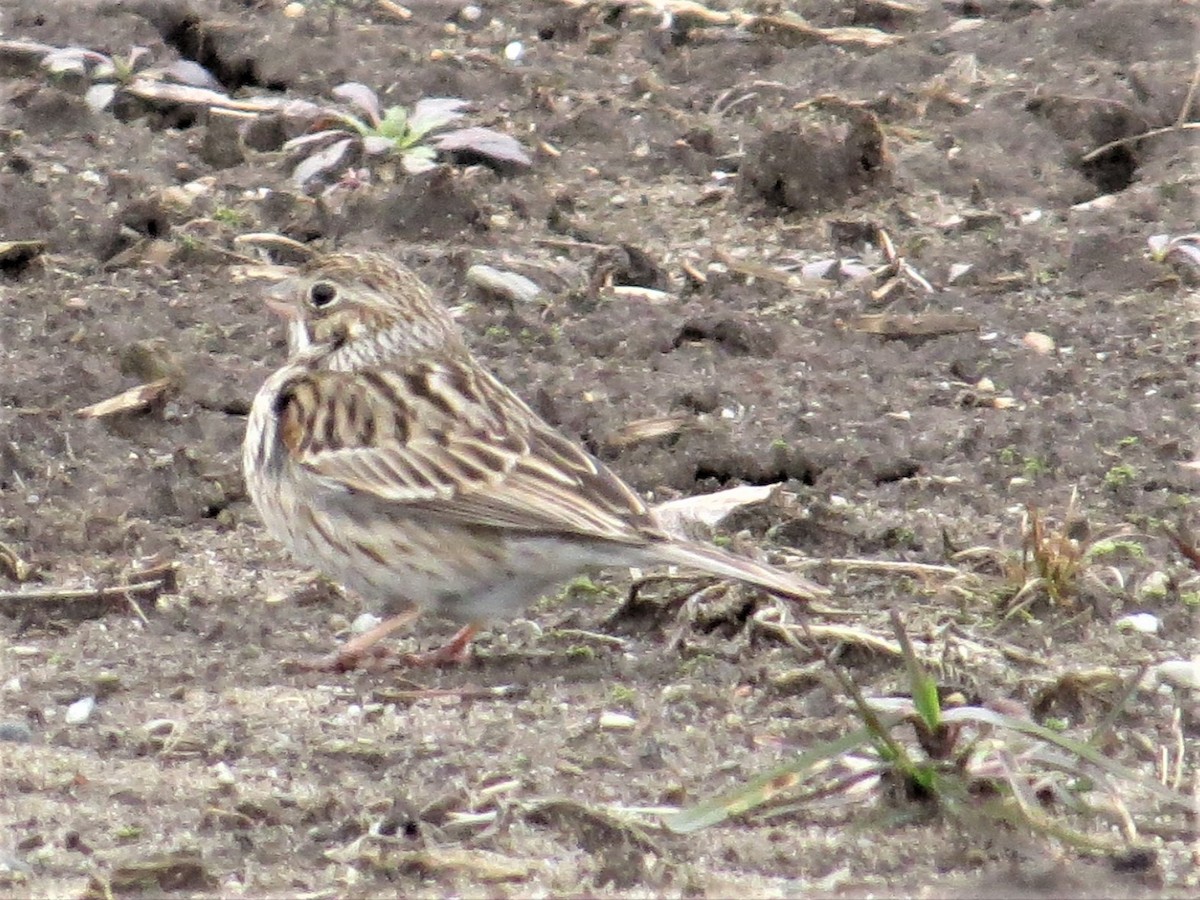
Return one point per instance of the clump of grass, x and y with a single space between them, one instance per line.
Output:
1056 561
986 769
1059 560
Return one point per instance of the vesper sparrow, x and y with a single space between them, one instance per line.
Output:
384 454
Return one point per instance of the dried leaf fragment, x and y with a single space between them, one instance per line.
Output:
486 142
710 510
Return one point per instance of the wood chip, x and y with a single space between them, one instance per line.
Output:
791 30
633 292
926 325
259 272
141 397
509 285
649 429
394 10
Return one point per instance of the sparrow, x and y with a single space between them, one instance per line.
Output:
384 454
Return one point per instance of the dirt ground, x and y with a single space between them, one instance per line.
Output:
681 181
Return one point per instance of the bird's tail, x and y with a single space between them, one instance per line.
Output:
718 562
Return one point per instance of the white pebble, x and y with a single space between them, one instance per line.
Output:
514 51
1143 623
1038 342
364 623
224 774
615 721
80 711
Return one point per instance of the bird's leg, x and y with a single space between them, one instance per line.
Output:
457 650
351 654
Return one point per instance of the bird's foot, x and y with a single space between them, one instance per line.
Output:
456 651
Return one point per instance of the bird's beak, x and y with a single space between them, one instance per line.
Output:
279 300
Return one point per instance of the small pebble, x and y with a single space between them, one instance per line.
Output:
1181 673
224 774
10 862
1038 342
364 623
15 732
80 711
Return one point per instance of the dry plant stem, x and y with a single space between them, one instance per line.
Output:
499 692
1181 123
609 640
1186 108
117 592
1174 779
1104 729
869 717
1134 138
858 637
567 244
880 565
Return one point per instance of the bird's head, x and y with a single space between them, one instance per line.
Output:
363 308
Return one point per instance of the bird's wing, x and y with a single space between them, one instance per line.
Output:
446 439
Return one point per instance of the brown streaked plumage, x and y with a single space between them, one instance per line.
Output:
385 455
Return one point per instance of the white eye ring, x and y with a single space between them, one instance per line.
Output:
322 294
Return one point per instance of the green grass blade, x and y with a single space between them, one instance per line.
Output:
764 787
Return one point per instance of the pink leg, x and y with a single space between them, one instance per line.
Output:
456 651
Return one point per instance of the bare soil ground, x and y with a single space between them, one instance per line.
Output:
681 155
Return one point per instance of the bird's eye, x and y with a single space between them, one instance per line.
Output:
322 294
